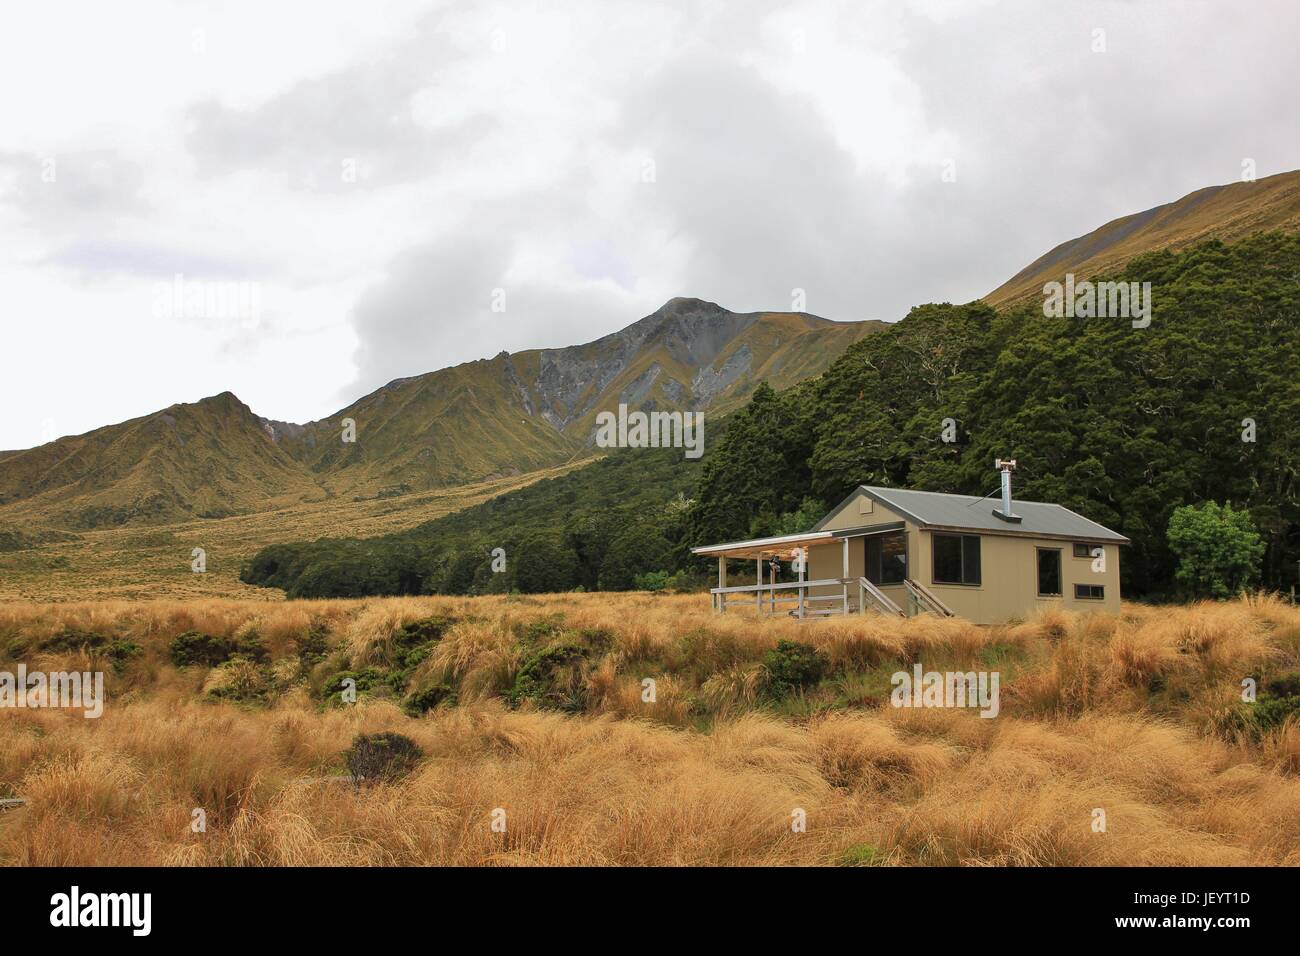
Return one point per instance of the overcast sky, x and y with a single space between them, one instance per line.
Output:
374 178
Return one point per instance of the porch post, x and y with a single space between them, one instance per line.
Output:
758 590
722 583
803 576
845 577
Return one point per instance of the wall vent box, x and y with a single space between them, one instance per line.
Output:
866 505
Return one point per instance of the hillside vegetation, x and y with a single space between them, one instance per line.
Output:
1120 424
128 561
594 527
534 711
1228 213
208 459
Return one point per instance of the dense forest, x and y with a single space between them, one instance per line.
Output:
597 528
1121 424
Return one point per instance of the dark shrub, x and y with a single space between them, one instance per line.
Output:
1270 712
413 643
195 648
552 678
69 639
251 646
540 630
597 638
428 697
120 653
1284 685
386 756
792 665
1278 700
312 646
423 632
368 680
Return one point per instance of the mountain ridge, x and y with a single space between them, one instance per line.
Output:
477 421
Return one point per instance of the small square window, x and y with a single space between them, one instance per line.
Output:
1082 549
956 559
1090 592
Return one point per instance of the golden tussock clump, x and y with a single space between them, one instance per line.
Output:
643 730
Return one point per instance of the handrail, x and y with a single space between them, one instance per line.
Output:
923 596
882 600
785 585
786 591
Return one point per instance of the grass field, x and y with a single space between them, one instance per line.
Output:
532 712
155 561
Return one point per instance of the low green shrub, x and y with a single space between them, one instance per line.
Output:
69 640
791 666
1284 685
368 680
552 678
192 647
1278 700
660 580
385 756
426 698
120 653
312 646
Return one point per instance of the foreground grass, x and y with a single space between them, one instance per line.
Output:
536 708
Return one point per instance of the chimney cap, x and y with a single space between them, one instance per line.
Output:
1006 466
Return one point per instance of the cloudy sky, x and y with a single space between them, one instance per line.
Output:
299 202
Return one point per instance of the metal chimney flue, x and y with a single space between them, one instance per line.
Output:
1006 466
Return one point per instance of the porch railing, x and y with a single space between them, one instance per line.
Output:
925 599
767 597
882 602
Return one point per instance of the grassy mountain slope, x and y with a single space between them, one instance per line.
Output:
1227 212
537 409
207 459
154 561
448 427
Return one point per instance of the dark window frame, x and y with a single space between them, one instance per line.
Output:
1099 588
867 563
1038 573
935 536
1082 549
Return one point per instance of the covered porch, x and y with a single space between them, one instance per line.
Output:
803 598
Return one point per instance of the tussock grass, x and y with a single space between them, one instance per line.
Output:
1137 716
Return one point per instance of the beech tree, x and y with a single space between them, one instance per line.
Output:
1218 549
